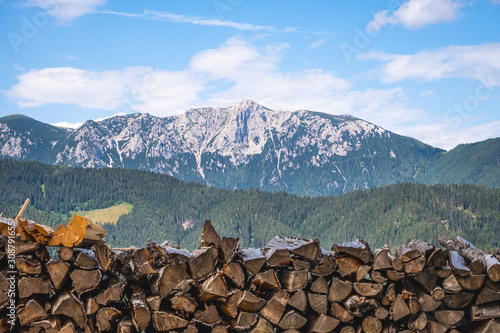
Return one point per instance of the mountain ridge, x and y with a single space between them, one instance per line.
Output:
239 147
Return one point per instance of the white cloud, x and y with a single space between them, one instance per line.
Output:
222 76
445 135
177 18
318 43
67 10
478 62
66 124
107 117
427 93
415 14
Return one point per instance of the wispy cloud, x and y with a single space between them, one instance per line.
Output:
66 124
415 14
177 18
67 10
69 57
478 62
318 43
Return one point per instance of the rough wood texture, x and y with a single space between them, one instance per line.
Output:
358 249
290 285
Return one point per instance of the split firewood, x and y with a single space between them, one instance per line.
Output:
323 324
348 265
318 303
91 306
399 309
436 327
471 281
229 247
489 326
457 263
168 279
414 266
113 294
489 293
26 265
340 313
276 257
58 271
427 278
339 290
154 302
248 302
32 311
294 280
140 311
427 302
408 254
79 231
458 301
164 321
252 260
209 236
419 323
267 280
292 320
300 265
359 305
84 259
368 289
234 272
358 249
183 302
325 266
102 254
319 286
69 305
84 280
362 272
213 287
126 325
306 248
448 317
485 311
451 285
298 300
378 277
29 285
65 253
381 259
262 326
208 317
381 313
106 319
275 307
244 321
230 307
372 325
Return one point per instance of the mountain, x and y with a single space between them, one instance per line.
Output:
166 208
476 163
24 138
238 147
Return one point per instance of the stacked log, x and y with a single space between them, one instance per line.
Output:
289 285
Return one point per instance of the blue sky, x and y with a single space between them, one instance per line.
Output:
429 69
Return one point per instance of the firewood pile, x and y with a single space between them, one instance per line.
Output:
289 285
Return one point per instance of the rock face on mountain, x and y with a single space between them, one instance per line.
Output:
237 147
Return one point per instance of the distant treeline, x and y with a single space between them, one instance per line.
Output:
390 215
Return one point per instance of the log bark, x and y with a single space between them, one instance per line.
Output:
358 249
485 311
252 260
306 248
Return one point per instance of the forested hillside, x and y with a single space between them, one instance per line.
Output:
392 215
